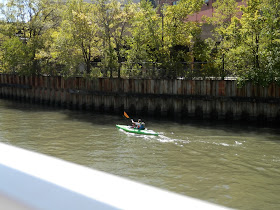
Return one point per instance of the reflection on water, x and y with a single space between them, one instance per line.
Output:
232 165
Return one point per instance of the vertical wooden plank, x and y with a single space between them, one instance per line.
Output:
142 86
162 86
137 83
63 91
137 86
213 88
7 88
216 88
100 85
149 86
239 91
51 90
221 88
227 88
108 85
165 87
35 88
46 89
196 90
63 83
261 91
57 94
248 90
184 87
179 89
190 87
133 86
156 86
93 85
175 87
79 97
253 90
126 84
271 91
203 88
277 91
27 90
208 87
169 87
68 94
1 87
21 83
113 87
5 82
13 88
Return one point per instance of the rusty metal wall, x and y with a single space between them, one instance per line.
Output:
216 99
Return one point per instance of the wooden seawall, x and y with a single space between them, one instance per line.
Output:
218 99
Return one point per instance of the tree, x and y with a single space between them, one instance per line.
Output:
225 13
260 29
113 23
77 42
163 35
251 41
14 54
271 34
179 35
145 42
27 21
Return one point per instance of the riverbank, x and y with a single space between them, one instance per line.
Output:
202 99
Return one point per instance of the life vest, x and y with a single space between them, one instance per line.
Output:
142 126
139 125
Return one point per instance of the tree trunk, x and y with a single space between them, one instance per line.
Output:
257 52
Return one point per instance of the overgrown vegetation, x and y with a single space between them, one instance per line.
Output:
116 39
249 39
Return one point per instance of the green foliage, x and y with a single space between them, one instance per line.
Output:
75 41
161 35
109 38
113 21
146 36
249 43
24 28
14 54
260 32
66 37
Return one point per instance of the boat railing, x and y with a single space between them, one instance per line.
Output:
29 180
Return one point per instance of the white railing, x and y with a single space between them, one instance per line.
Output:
29 180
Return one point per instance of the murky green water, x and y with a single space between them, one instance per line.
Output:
232 165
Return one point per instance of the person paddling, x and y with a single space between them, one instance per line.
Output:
139 125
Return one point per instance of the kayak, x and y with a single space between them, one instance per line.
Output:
130 129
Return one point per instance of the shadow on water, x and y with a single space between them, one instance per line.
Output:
77 115
102 118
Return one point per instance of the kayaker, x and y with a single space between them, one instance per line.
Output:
139 125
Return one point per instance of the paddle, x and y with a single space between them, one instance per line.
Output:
126 115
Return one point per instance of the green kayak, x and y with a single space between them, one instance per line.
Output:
128 128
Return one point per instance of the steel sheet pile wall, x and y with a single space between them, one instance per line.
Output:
180 98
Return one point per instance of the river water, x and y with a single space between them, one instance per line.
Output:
233 165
